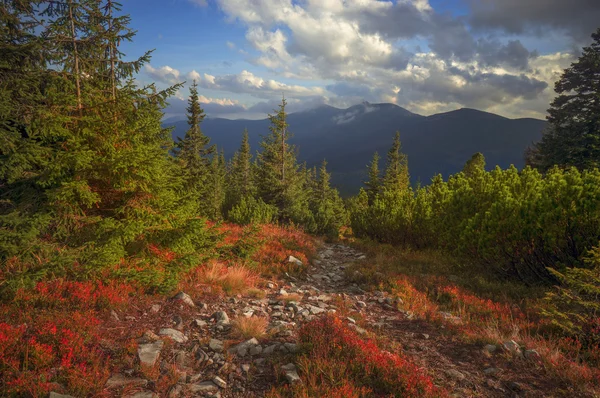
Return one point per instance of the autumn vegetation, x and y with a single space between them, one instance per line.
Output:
99 208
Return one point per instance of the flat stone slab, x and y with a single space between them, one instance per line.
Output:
149 353
176 335
119 380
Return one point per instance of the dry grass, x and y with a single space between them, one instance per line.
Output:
256 293
232 279
290 297
247 328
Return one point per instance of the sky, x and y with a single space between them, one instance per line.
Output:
428 56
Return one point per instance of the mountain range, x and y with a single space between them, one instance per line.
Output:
347 138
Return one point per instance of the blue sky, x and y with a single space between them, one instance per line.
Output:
428 56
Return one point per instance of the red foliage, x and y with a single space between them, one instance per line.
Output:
338 350
53 337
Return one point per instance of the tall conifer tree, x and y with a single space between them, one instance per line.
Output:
396 177
373 184
280 182
90 169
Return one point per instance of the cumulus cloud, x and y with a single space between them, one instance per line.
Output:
577 18
248 83
342 52
164 74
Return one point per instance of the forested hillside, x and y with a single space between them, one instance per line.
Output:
347 138
136 265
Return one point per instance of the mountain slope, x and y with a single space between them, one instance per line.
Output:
347 138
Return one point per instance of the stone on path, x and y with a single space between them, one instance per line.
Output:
176 335
294 260
511 346
149 353
185 298
221 317
57 395
215 345
203 387
291 374
243 348
142 394
119 380
219 382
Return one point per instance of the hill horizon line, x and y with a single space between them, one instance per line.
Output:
364 104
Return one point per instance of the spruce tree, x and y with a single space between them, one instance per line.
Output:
241 178
90 171
215 187
326 204
194 150
373 184
396 177
474 165
280 182
572 137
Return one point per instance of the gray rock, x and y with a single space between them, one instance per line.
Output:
203 387
315 310
221 317
200 323
185 298
513 385
219 382
294 260
57 395
255 350
511 346
149 353
532 355
119 380
270 349
455 374
491 371
141 394
291 374
215 345
291 347
491 348
243 348
173 334
176 391
283 292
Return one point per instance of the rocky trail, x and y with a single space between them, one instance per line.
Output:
193 341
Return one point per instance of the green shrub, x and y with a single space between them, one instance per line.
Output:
252 211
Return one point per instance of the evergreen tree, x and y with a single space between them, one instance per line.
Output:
280 182
194 150
326 204
215 187
241 178
474 165
373 184
573 135
396 177
89 171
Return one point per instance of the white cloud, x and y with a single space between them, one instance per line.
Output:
248 83
340 51
164 74
193 75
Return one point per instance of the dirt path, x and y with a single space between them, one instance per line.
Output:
210 361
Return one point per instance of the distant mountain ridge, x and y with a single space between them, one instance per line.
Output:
347 138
